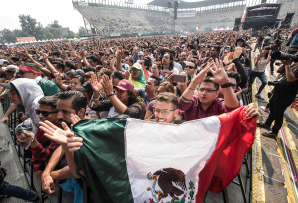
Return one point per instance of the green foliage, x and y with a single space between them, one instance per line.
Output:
56 25
82 31
30 26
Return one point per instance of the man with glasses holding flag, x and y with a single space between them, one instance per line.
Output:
207 103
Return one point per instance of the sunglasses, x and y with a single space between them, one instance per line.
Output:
21 72
44 113
190 67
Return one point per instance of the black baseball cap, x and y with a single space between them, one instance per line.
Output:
86 87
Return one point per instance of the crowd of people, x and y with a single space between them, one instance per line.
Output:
164 79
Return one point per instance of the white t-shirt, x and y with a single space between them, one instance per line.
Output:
174 71
178 66
112 113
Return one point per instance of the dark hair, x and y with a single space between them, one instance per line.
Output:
156 80
49 101
217 48
235 76
207 79
59 65
168 97
33 66
126 53
147 62
79 100
171 59
70 64
80 78
192 61
93 58
55 53
267 48
70 74
132 98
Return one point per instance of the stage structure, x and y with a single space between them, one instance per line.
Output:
261 15
287 20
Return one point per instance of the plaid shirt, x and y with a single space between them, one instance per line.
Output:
43 152
193 109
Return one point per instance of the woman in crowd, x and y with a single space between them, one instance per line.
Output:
260 62
123 101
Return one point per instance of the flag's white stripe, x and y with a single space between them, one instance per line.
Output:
151 147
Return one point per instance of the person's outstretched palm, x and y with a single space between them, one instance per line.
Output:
94 84
54 133
219 74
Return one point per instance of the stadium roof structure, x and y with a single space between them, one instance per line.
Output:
187 4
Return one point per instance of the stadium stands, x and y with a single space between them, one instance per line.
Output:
120 21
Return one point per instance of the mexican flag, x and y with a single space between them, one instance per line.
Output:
130 160
197 27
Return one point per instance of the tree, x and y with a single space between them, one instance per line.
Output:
8 36
82 31
30 26
56 25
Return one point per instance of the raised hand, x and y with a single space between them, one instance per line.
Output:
107 85
97 87
54 133
203 73
220 76
45 56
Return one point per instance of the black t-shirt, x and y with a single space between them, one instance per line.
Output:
288 90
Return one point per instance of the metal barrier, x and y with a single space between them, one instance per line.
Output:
26 163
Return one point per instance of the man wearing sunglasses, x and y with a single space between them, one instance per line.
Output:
42 148
191 67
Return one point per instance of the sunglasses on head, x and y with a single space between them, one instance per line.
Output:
44 113
190 67
21 72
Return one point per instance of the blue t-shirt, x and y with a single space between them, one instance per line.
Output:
144 96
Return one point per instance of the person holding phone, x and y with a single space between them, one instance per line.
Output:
261 60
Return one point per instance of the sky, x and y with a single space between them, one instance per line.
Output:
43 11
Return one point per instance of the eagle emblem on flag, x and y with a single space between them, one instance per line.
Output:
171 183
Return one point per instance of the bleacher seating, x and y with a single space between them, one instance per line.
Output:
125 21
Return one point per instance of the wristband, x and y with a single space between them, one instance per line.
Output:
111 95
191 88
58 78
229 84
287 66
95 92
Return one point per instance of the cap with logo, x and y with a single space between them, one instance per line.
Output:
125 85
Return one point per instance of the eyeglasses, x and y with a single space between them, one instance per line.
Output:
190 67
208 91
163 112
44 113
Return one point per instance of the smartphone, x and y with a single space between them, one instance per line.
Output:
179 78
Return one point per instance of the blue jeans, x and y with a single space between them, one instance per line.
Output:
15 191
261 76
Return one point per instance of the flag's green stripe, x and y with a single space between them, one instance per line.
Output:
102 159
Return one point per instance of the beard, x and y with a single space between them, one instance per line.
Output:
67 123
